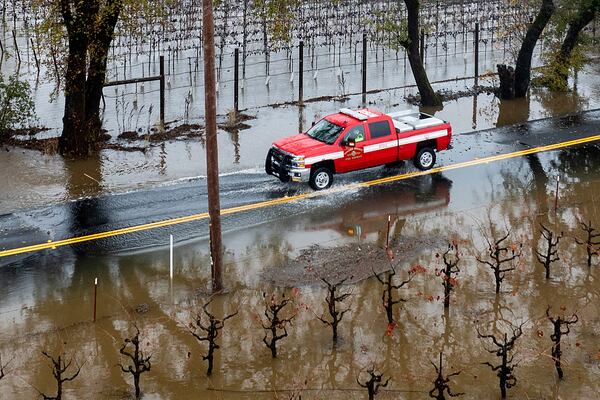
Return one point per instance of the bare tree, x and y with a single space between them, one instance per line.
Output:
440 385
388 299
499 255
373 383
504 347
534 31
411 44
211 330
450 262
141 363
332 300
59 369
586 12
591 241
275 323
561 327
551 254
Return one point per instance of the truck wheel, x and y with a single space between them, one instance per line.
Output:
425 159
268 168
320 178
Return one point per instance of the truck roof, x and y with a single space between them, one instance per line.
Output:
347 116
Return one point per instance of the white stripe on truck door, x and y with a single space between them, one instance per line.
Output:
380 146
330 156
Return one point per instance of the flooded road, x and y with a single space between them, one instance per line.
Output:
47 297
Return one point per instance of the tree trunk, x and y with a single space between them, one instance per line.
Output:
585 15
523 66
447 291
72 141
90 28
98 55
497 276
136 384
428 96
581 20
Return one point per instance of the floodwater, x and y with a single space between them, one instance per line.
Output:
47 300
47 297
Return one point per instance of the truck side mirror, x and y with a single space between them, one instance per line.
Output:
351 142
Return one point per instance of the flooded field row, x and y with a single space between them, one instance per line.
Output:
268 42
48 299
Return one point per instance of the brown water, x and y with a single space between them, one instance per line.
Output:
47 305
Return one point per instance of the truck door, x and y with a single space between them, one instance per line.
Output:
382 144
354 157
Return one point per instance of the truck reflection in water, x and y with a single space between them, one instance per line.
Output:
366 216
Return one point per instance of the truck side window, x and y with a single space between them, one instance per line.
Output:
379 129
357 133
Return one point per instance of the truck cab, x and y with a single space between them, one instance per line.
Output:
351 140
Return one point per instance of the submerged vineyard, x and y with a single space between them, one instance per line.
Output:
267 35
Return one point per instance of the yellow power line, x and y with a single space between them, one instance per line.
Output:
234 210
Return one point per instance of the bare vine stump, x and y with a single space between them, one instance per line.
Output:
59 370
373 383
140 363
507 81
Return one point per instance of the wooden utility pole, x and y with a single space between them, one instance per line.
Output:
212 154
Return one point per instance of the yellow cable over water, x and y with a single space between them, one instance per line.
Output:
234 210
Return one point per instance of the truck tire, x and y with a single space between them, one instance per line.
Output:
321 178
425 159
268 168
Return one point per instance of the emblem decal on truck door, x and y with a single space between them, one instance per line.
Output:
353 153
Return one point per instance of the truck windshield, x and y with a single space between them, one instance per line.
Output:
325 131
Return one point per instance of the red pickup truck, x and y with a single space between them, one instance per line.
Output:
356 139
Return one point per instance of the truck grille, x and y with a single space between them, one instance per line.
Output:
282 158
281 163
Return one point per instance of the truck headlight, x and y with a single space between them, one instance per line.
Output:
298 162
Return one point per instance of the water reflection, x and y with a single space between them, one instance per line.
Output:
365 216
513 111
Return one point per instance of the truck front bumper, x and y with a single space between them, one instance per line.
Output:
299 174
287 174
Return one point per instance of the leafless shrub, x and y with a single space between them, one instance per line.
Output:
591 241
551 254
141 363
373 382
211 329
450 269
440 385
59 369
388 298
275 323
561 327
501 257
504 348
332 300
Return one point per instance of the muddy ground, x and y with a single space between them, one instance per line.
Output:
350 263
